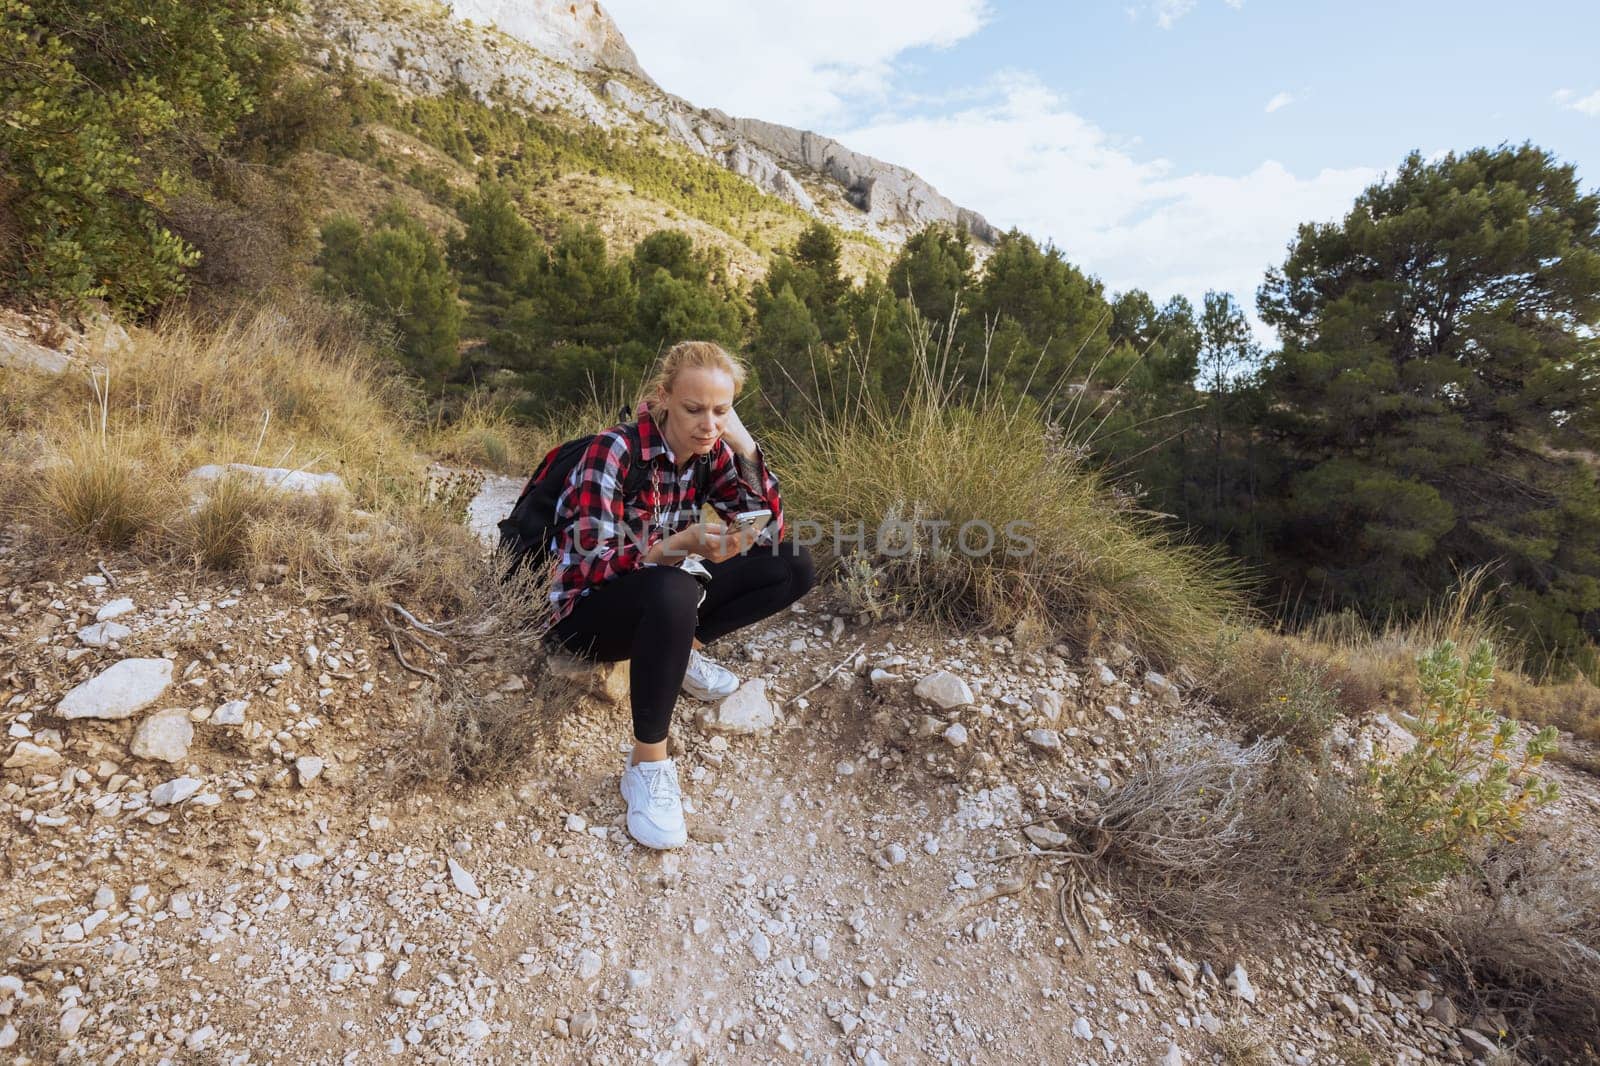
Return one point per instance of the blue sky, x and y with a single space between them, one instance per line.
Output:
1167 144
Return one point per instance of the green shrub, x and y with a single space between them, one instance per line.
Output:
102 105
1463 782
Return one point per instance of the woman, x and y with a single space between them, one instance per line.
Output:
628 583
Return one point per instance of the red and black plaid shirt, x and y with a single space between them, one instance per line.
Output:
603 536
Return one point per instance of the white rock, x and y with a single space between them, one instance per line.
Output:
956 735
175 791
760 946
8 1035
30 756
1046 837
577 823
1394 738
103 633
404 997
1172 1057
307 768
230 713
1239 981
1161 686
463 880
638 979
278 478
72 1020
118 691
165 735
115 609
1043 739
476 1029
310 654
1182 970
340 972
944 690
1082 1030
17 353
282 668
1479 1046
589 964
747 710
1105 675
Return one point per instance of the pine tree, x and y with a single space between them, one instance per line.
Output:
1437 389
933 270
397 268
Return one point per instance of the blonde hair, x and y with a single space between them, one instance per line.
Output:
692 355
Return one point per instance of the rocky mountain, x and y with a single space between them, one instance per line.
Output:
573 59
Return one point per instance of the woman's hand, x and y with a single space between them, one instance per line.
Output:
738 438
712 542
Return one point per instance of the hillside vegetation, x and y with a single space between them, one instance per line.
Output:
1359 553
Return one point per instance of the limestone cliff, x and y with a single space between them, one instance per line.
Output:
573 58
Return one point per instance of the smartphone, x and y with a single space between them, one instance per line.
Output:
756 520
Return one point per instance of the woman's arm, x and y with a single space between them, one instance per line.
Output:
740 480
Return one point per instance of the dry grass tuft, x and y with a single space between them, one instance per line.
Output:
407 552
1214 841
1379 664
1240 1046
484 436
1520 932
1050 547
108 488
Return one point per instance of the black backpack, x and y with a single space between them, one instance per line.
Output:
526 534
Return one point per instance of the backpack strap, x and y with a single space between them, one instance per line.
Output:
638 475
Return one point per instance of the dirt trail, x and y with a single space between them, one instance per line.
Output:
856 888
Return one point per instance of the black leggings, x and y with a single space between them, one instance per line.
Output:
649 616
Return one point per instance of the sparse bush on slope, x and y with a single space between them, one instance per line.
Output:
1519 928
1211 837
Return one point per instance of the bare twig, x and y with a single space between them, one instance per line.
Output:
394 642
431 630
828 676
1009 887
108 575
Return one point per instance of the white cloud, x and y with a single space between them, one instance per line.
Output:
1025 159
801 64
1170 11
1588 105
1279 102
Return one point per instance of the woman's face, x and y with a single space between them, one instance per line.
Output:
697 408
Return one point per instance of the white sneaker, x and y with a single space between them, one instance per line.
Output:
655 805
706 680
